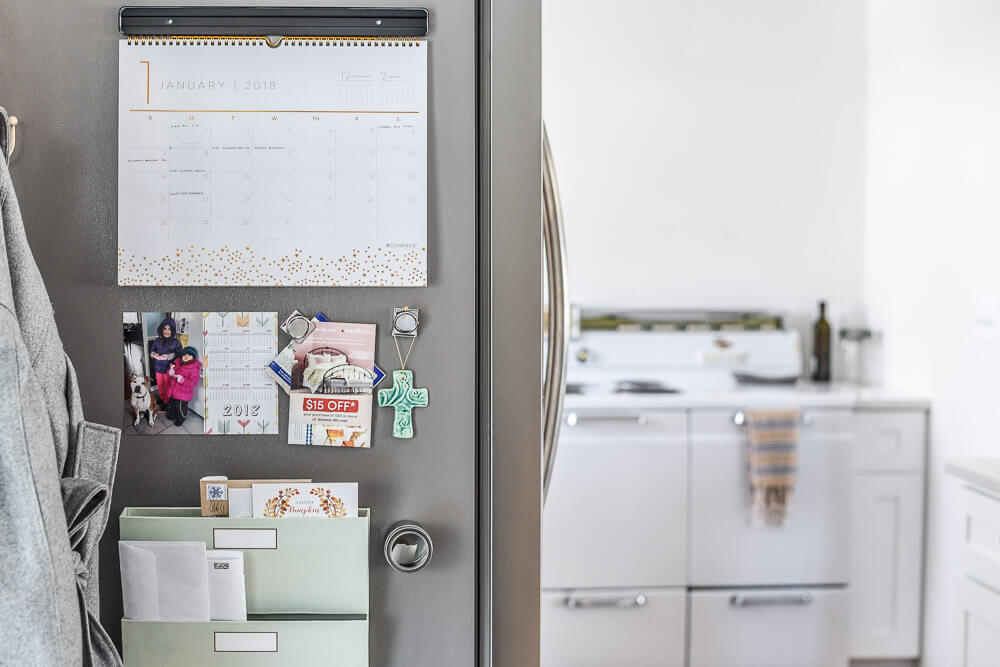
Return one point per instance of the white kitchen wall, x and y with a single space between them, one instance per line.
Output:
710 153
933 236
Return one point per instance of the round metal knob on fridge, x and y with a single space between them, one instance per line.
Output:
408 547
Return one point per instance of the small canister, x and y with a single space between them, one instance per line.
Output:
856 355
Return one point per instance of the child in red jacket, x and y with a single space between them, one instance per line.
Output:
185 374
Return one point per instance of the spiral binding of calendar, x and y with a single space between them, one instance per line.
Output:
273 41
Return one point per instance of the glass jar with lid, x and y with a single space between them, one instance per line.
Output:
857 355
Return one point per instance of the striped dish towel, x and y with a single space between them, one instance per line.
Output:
772 463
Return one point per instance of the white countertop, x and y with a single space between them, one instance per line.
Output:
802 394
983 472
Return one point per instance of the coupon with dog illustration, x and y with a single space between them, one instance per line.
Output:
332 374
199 373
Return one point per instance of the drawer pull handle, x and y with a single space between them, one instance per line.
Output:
573 419
627 602
798 599
740 418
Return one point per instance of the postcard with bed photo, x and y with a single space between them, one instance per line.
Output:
199 373
331 388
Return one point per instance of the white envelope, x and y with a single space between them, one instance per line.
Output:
139 587
227 589
240 503
164 581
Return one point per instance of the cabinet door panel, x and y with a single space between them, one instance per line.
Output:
979 553
886 566
603 628
616 514
890 440
782 627
810 547
976 635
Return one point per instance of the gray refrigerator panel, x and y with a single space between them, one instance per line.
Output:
58 73
511 312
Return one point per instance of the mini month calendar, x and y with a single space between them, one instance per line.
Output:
243 164
240 396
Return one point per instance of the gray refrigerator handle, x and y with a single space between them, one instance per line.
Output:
554 384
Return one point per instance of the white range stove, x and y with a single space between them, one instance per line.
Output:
649 556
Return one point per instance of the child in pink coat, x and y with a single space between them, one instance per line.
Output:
185 374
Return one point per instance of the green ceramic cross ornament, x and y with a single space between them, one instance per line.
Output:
403 397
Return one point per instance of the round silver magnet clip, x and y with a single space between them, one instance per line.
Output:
405 321
298 326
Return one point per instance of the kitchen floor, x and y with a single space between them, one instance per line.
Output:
193 425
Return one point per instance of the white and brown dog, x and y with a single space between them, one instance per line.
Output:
142 400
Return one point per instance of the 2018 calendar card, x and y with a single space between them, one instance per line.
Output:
199 373
242 164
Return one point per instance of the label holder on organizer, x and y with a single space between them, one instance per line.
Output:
244 538
274 25
246 642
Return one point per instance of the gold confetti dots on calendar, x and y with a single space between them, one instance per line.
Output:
229 265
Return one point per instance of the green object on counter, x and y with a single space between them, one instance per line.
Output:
273 642
403 397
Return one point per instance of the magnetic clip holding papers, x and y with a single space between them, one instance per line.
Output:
405 321
274 23
298 326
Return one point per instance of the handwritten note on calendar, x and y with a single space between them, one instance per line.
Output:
304 164
240 397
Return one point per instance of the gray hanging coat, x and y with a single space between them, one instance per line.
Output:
56 474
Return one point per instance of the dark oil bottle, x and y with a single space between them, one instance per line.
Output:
821 347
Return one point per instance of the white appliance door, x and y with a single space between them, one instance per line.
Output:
625 628
769 628
811 547
616 513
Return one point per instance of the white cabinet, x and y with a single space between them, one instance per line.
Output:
976 631
890 440
887 530
810 547
647 544
886 566
616 513
624 628
979 550
769 627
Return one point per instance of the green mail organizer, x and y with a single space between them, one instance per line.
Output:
293 566
307 591
278 642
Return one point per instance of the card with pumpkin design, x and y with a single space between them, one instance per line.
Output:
330 500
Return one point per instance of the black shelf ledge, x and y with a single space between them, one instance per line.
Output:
274 21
